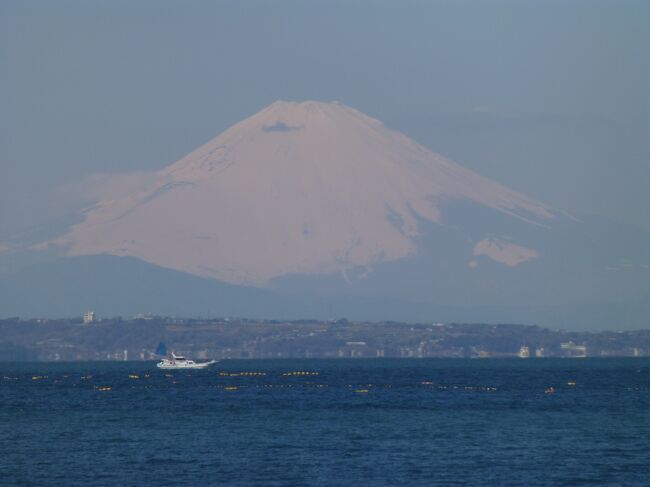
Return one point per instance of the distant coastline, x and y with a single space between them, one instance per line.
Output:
138 338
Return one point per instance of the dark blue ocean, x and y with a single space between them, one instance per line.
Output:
327 422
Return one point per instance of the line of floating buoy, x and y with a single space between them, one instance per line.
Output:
39 377
134 376
361 391
301 372
571 383
241 374
231 388
103 388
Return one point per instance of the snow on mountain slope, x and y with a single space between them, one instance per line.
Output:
505 252
298 188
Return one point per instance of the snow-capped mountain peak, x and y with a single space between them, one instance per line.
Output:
298 188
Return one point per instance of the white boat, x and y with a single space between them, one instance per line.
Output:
180 362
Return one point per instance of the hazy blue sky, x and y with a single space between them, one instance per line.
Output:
549 97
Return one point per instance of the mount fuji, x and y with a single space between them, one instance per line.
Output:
315 202
298 188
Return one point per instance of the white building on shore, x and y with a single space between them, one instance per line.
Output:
89 317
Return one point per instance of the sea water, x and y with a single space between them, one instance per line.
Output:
327 422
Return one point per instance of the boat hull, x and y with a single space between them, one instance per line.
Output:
167 366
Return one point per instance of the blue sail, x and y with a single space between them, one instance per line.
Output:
162 349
